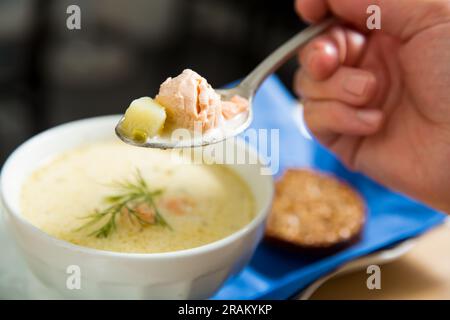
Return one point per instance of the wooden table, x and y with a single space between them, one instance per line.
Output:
422 273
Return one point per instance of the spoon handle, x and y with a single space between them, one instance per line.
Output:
251 83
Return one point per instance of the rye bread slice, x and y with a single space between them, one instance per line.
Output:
315 212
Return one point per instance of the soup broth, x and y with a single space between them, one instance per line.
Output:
200 203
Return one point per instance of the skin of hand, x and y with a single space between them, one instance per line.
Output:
380 99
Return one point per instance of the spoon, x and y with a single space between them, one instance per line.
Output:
245 89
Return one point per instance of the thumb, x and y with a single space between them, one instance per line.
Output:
400 18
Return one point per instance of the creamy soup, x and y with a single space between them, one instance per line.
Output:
74 197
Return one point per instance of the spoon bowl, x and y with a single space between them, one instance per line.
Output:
184 138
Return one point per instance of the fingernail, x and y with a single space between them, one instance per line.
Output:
370 117
356 84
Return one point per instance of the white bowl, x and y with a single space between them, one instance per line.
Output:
195 273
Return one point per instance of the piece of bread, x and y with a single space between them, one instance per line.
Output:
316 212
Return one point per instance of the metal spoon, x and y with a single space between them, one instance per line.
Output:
246 89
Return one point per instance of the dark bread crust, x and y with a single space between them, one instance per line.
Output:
314 251
315 213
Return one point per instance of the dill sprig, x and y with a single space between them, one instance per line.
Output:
131 195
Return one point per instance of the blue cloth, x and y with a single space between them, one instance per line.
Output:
273 274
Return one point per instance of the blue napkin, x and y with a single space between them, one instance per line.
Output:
392 217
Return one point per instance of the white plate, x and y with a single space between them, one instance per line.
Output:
377 258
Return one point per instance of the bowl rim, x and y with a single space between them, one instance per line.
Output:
259 218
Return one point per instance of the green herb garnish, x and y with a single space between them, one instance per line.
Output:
135 200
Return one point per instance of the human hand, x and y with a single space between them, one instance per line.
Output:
380 100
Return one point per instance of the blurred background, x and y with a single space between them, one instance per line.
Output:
125 49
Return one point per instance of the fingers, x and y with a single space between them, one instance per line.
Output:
321 57
328 119
311 10
351 86
400 18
